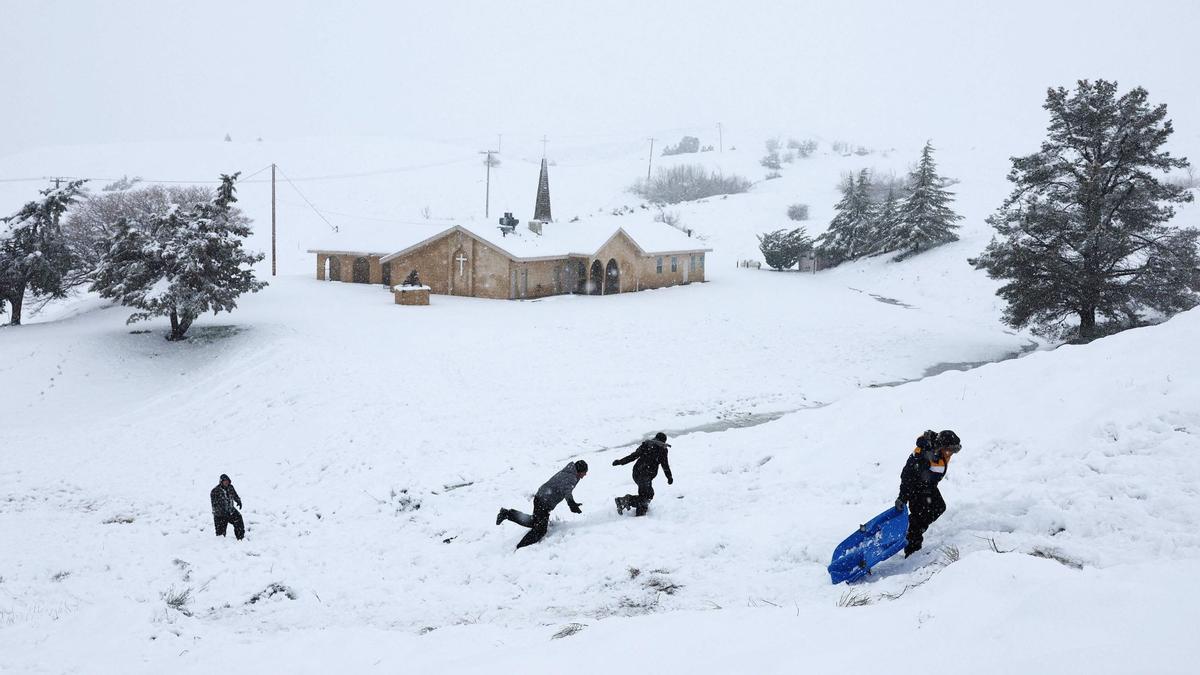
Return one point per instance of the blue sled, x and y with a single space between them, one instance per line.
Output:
876 541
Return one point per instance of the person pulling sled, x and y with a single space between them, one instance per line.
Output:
925 468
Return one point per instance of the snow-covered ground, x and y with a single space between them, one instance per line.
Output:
372 445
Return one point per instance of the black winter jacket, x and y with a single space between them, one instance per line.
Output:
223 498
922 472
649 455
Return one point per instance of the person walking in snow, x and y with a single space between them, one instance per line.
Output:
560 486
223 498
650 455
925 468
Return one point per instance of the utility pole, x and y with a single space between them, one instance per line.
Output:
650 160
57 180
499 142
487 194
272 220
720 137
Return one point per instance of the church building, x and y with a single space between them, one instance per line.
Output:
597 256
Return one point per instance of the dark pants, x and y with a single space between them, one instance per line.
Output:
924 508
641 501
537 523
235 518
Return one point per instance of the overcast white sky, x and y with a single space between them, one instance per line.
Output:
877 72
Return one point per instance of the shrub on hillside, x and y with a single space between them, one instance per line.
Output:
686 145
688 182
798 212
803 148
781 249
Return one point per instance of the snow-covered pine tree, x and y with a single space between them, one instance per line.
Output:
886 227
926 219
848 236
1084 232
187 263
781 249
34 256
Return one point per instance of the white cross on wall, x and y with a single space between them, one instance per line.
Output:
461 260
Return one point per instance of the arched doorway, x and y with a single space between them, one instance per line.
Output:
580 280
335 268
612 278
362 271
596 280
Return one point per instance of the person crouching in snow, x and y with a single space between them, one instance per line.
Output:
649 455
559 487
925 468
223 498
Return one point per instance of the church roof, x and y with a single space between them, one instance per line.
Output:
583 237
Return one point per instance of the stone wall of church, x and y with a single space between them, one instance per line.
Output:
344 270
483 273
689 267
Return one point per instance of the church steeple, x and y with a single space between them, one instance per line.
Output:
541 208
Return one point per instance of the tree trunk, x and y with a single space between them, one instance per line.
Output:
14 308
176 334
179 327
1087 324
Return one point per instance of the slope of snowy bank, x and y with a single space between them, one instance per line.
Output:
372 445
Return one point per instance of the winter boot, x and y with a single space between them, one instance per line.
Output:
502 516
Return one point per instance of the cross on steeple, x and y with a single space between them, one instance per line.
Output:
544 142
461 259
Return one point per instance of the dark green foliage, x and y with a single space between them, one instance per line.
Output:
1083 234
886 226
782 249
34 255
850 231
185 263
925 219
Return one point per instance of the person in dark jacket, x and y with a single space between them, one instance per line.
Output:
647 458
925 468
560 486
223 498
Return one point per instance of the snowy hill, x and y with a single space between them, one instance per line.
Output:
372 445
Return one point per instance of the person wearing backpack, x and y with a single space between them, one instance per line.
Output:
919 479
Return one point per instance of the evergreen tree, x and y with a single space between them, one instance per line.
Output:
1084 232
926 219
34 255
886 227
186 263
782 249
848 236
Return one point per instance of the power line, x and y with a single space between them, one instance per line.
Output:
306 201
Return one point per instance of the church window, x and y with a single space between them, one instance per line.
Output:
674 263
660 264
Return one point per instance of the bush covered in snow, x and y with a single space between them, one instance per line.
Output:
686 146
